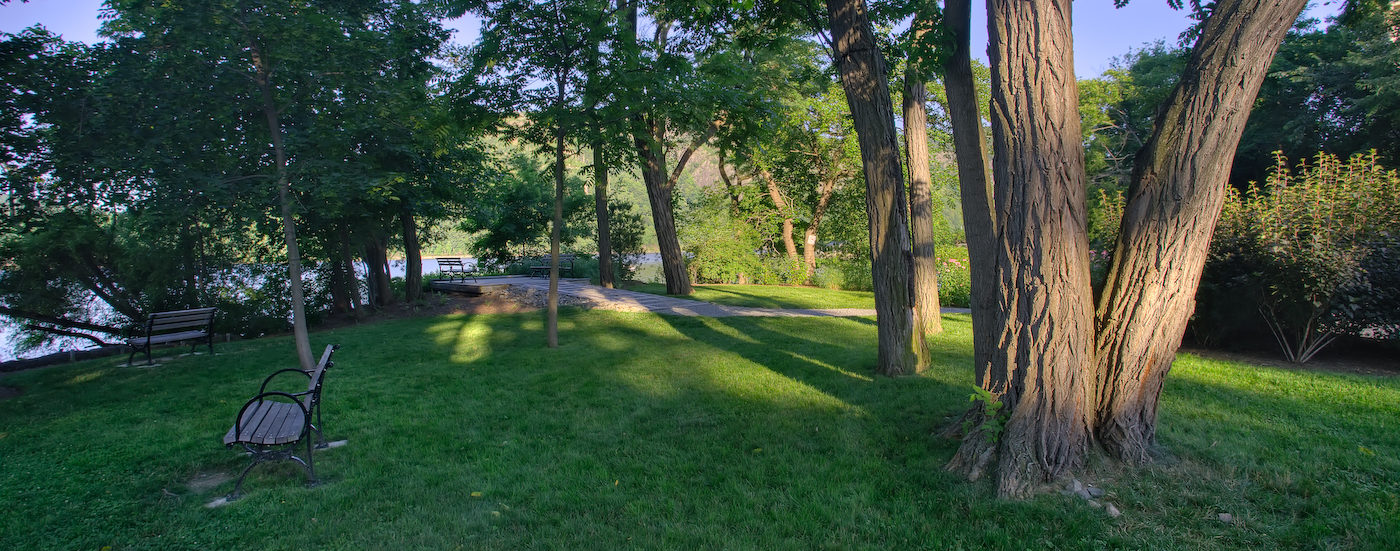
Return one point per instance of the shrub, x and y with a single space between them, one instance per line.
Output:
954 277
1309 253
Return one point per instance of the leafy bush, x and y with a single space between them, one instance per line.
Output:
1312 252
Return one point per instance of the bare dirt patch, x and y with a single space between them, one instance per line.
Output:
204 482
439 304
7 392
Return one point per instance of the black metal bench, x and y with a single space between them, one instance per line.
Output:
273 423
168 327
454 268
541 266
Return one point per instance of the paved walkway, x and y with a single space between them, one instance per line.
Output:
619 299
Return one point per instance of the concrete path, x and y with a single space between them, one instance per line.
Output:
633 301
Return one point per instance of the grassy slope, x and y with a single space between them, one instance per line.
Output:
660 432
770 296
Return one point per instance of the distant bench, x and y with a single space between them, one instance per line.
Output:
454 268
272 423
541 266
174 326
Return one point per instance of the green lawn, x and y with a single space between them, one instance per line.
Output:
770 296
645 431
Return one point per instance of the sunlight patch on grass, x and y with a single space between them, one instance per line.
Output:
87 377
816 362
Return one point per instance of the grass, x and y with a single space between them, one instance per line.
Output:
645 431
770 296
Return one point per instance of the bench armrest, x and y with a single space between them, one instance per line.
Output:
263 388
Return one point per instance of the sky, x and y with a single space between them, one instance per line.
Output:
1101 32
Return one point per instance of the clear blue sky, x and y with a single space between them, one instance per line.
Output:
1101 31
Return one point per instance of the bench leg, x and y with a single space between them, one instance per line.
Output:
310 464
238 488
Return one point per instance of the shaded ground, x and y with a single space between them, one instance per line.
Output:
1355 359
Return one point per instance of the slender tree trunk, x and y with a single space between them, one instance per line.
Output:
347 260
1041 370
289 229
1174 202
413 270
928 319
659 194
731 188
970 148
809 235
606 278
552 319
864 78
784 210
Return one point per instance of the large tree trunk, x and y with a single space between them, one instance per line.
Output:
606 278
347 261
969 146
928 318
381 294
340 281
864 78
413 270
1173 205
289 228
784 210
1040 373
663 218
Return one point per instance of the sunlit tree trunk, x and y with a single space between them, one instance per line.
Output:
927 313
606 278
555 233
1177 192
864 78
1041 370
784 210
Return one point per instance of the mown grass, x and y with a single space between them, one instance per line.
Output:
770 296
645 431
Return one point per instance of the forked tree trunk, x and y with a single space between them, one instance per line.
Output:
864 78
377 270
927 313
1040 373
784 210
413 270
969 145
1175 200
284 198
659 194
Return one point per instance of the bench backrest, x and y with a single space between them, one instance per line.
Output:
445 263
176 320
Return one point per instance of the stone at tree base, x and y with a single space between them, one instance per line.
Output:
1227 517
1095 492
1112 511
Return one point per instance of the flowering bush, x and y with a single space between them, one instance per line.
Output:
1310 252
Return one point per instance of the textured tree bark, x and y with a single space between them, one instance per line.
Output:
1173 205
1040 373
969 145
660 191
413 269
789 245
284 198
928 318
863 76
606 278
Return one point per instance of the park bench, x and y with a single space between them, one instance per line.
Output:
454 268
174 326
272 424
541 266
